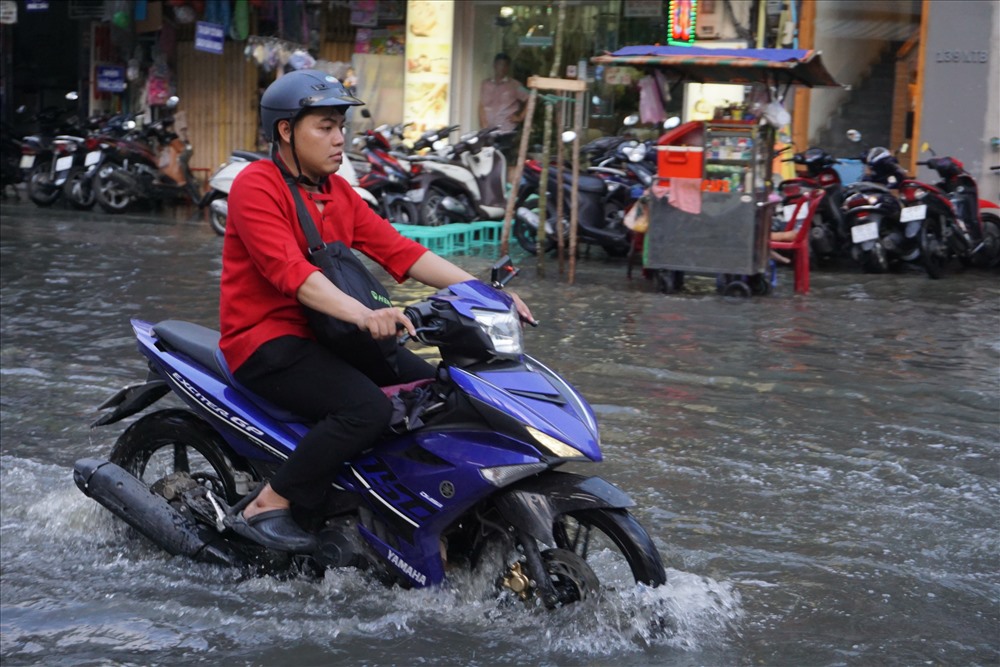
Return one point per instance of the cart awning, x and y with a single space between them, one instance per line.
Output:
780 66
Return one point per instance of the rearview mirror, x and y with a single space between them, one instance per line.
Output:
503 272
631 120
568 136
671 122
853 135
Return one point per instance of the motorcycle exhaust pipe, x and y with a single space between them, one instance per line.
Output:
125 179
530 218
455 208
151 515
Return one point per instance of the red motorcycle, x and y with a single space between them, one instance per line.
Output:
153 166
978 228
389 177
828 236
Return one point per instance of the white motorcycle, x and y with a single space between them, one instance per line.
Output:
469 184
221 182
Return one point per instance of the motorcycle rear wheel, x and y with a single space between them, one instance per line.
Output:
430 207
875 260
989 255
111 196
79 190
41 189
933 247
176 441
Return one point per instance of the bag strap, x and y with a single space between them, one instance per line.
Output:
313 239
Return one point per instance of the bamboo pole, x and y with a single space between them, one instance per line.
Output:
560 159
574 214
546 147
518 171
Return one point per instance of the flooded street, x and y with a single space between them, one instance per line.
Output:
819 473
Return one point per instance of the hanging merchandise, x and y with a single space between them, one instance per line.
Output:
158 84
650 101
240 27
217 11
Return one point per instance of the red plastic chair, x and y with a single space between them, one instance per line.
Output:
800 244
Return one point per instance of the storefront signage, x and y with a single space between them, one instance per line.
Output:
962 57
110 78
541 40
650 9
8 12
427 77
209 37
36 6
681 19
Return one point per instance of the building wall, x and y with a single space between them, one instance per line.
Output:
960 101
852 34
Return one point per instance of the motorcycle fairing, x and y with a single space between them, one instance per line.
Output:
568 419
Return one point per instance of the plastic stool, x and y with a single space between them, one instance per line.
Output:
485 232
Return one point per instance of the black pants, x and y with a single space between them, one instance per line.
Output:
350 411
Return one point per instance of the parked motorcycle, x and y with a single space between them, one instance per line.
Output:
881 235
99 147
221 182
468 479
978 231
465 181
389 177
605 193
153 168
828 235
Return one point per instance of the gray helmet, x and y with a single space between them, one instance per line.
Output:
293 93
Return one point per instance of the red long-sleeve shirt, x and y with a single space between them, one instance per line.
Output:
264 254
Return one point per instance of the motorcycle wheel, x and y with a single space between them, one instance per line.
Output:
527 238
430 211
614 211
875 260
79 190
402 212
613 545
111 196
217 222
41 189
933 247
989 255
176 441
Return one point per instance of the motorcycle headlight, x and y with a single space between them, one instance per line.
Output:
503 330
554 446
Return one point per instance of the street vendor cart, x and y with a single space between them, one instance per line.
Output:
711 209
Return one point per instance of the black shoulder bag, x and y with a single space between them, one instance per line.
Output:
351 277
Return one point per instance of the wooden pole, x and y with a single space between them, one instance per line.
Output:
561 159
800 109
518 171
574 208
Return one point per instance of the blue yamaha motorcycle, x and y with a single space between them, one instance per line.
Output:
467 476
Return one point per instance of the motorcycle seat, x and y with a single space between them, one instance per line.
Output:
591 184
202 345
249 156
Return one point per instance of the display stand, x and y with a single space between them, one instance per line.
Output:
721 225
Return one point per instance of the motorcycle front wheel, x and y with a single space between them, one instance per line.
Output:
217 221
111 196
79 190
176 443
933 247
41 189
590 551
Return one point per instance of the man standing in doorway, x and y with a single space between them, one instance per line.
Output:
502 103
